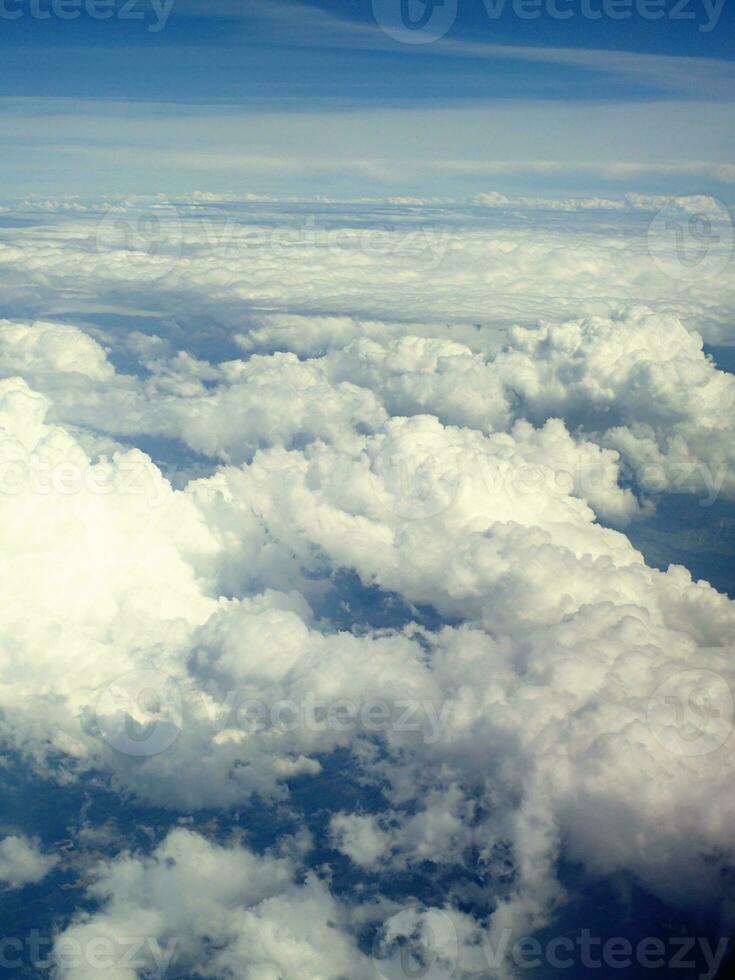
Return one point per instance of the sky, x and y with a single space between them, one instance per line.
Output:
367 490
341 98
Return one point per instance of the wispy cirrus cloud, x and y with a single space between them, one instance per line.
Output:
300 25
588 145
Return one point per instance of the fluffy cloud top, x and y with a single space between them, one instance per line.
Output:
217 911
22 862
187 646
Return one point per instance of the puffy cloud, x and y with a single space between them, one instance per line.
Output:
276 400
414 425
49 349
639 383
429 268
577 636
204 909
265 697
97 558
22 862
360 838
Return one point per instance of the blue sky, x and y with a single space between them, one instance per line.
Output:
175 95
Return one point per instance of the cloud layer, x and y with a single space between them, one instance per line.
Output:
188 483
